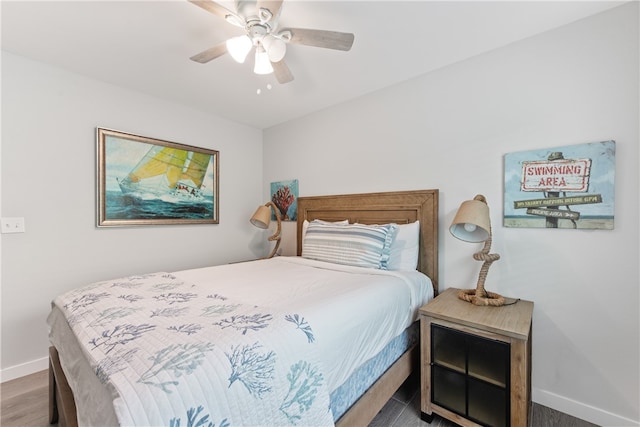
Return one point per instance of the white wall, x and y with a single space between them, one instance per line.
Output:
49 118
450 129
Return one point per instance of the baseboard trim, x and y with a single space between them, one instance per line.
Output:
580 410
17 371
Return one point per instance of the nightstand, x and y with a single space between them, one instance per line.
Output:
476 361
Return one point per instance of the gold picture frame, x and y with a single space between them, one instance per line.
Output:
147 181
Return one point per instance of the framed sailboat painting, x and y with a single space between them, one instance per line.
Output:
147 181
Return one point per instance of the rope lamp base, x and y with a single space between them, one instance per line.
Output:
490 298
472 224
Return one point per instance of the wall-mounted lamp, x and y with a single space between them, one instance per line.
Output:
472 224
262 219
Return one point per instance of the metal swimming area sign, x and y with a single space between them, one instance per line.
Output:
556 175
544 188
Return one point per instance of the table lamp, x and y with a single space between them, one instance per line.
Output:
472 224
262 218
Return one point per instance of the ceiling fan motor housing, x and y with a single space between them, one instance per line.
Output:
257 30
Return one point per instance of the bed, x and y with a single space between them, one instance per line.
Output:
391 367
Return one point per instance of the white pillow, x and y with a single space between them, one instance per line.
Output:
405 247
305 224
358 245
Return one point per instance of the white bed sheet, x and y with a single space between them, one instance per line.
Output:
346 306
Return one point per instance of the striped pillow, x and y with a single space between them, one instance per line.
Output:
352 244
306 223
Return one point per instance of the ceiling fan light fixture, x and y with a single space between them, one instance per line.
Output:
262 65
239 47
275 48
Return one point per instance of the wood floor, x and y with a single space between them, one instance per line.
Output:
25 401
25 404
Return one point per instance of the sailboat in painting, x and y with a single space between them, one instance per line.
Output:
167 173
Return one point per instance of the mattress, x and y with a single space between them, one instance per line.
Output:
366 375
356 313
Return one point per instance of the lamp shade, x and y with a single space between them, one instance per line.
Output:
275 48
239 47
472 222
262 217
262 64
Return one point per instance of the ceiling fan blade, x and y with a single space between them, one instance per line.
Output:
321 38
219 10
282 72
272 6
210 54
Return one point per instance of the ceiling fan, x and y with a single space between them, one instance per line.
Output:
259 19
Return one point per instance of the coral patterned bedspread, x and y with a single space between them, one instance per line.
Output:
174 354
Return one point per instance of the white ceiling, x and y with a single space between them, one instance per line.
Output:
145 46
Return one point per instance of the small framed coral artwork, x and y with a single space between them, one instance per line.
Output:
284 194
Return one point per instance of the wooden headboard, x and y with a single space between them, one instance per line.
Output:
401 207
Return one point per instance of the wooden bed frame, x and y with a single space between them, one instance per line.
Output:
401 207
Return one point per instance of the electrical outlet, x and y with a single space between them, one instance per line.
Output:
12 225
